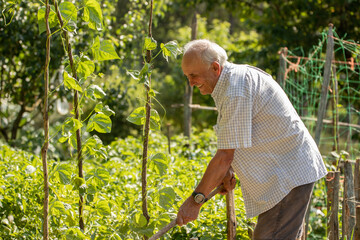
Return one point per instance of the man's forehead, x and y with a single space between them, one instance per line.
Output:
190 59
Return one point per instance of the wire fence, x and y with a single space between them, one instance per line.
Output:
303 79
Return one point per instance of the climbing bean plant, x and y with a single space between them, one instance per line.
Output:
146 115
64 19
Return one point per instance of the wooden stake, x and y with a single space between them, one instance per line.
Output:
281 78
357 227
349 202
189 89
357 181
333 186
76 110
325 85
45 146
231 217
357 198
335 103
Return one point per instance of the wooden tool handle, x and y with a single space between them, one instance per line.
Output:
173 222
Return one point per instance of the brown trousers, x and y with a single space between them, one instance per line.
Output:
285 220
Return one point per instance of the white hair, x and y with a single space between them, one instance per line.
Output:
208 51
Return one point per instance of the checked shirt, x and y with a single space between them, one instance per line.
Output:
274 152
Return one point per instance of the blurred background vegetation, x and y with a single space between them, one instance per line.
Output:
252 32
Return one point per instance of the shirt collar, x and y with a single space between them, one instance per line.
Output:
221 81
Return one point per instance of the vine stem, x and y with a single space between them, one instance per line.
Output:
146 131
45 147
76 110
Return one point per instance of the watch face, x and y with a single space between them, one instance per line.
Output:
199 198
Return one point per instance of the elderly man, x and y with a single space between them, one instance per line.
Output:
261 137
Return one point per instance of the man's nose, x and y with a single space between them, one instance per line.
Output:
191 82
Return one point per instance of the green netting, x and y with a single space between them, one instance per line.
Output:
304 78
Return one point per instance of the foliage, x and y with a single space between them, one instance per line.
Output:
21 68
113 193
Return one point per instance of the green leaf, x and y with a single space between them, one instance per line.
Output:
64 171
103 50
78 181
94 147
58 207
170 49
63 139
75 234
103 208
100 123
69 13
155 122
134 74
73 141
150 43
93 14
106 110
167 197
71 125
160 161
144 74
70 220
103 175
94 92
41 18
137 116
85 67
71 82
139 220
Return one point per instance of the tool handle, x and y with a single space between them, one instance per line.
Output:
173 222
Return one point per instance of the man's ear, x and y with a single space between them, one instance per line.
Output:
216 68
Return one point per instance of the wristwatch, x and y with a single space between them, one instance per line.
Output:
199 197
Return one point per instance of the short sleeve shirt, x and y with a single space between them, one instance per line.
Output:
274 152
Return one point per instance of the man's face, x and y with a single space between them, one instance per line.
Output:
200 74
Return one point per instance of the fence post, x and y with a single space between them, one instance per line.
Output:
357 227
231 217
357 198
325 85
333 186
282 69
349 202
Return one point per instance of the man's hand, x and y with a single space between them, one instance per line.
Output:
229 182
188 211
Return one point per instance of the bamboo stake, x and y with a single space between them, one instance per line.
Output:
45 147
172 224
333 186
325 85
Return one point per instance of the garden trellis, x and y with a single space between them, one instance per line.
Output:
302 81
325 89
